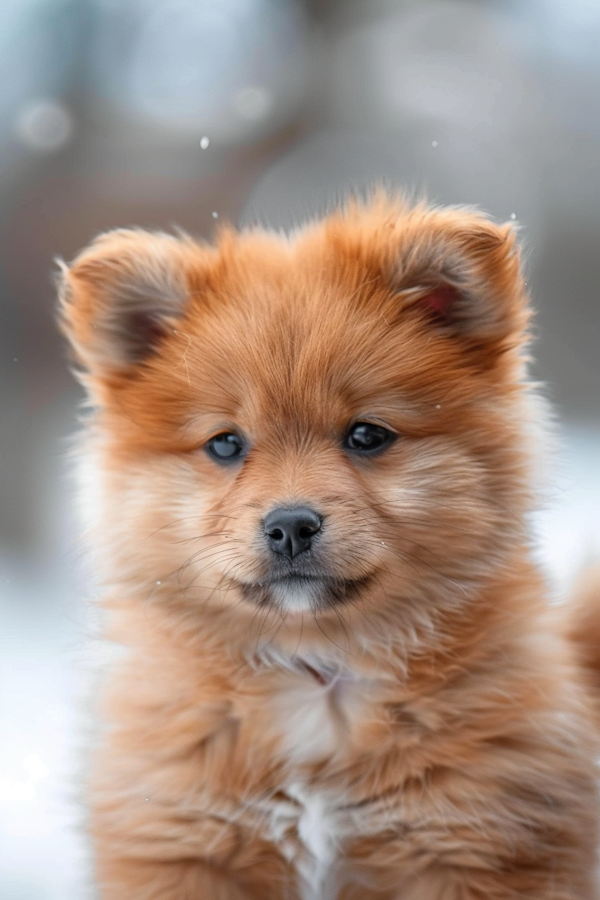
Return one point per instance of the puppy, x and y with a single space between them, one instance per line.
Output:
307 474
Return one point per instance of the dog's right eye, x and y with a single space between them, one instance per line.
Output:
226 447
368 439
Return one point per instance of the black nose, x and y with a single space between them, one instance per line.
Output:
290 531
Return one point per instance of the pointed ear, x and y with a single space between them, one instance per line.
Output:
120 296
463 274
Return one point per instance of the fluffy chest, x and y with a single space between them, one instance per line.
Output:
313 826
321 714
317 711
308 827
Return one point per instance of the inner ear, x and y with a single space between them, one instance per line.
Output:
145 332
123 294
462 274
439 302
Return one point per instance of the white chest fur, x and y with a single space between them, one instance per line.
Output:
319 838
308 826
314 711
314 714
307 720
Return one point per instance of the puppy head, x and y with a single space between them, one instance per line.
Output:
334 418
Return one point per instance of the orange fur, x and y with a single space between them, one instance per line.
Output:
584 624
427 736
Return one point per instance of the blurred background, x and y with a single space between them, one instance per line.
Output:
187 112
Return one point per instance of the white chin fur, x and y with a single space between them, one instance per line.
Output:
297 597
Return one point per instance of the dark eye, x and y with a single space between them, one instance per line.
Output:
227 446
366 438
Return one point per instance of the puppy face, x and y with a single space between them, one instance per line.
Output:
332 419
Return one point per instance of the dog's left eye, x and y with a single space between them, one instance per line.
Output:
367 438
227 446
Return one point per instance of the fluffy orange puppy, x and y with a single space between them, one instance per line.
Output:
307 474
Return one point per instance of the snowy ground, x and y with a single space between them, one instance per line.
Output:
43 644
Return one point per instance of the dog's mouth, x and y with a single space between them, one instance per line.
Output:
293 579
296 591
